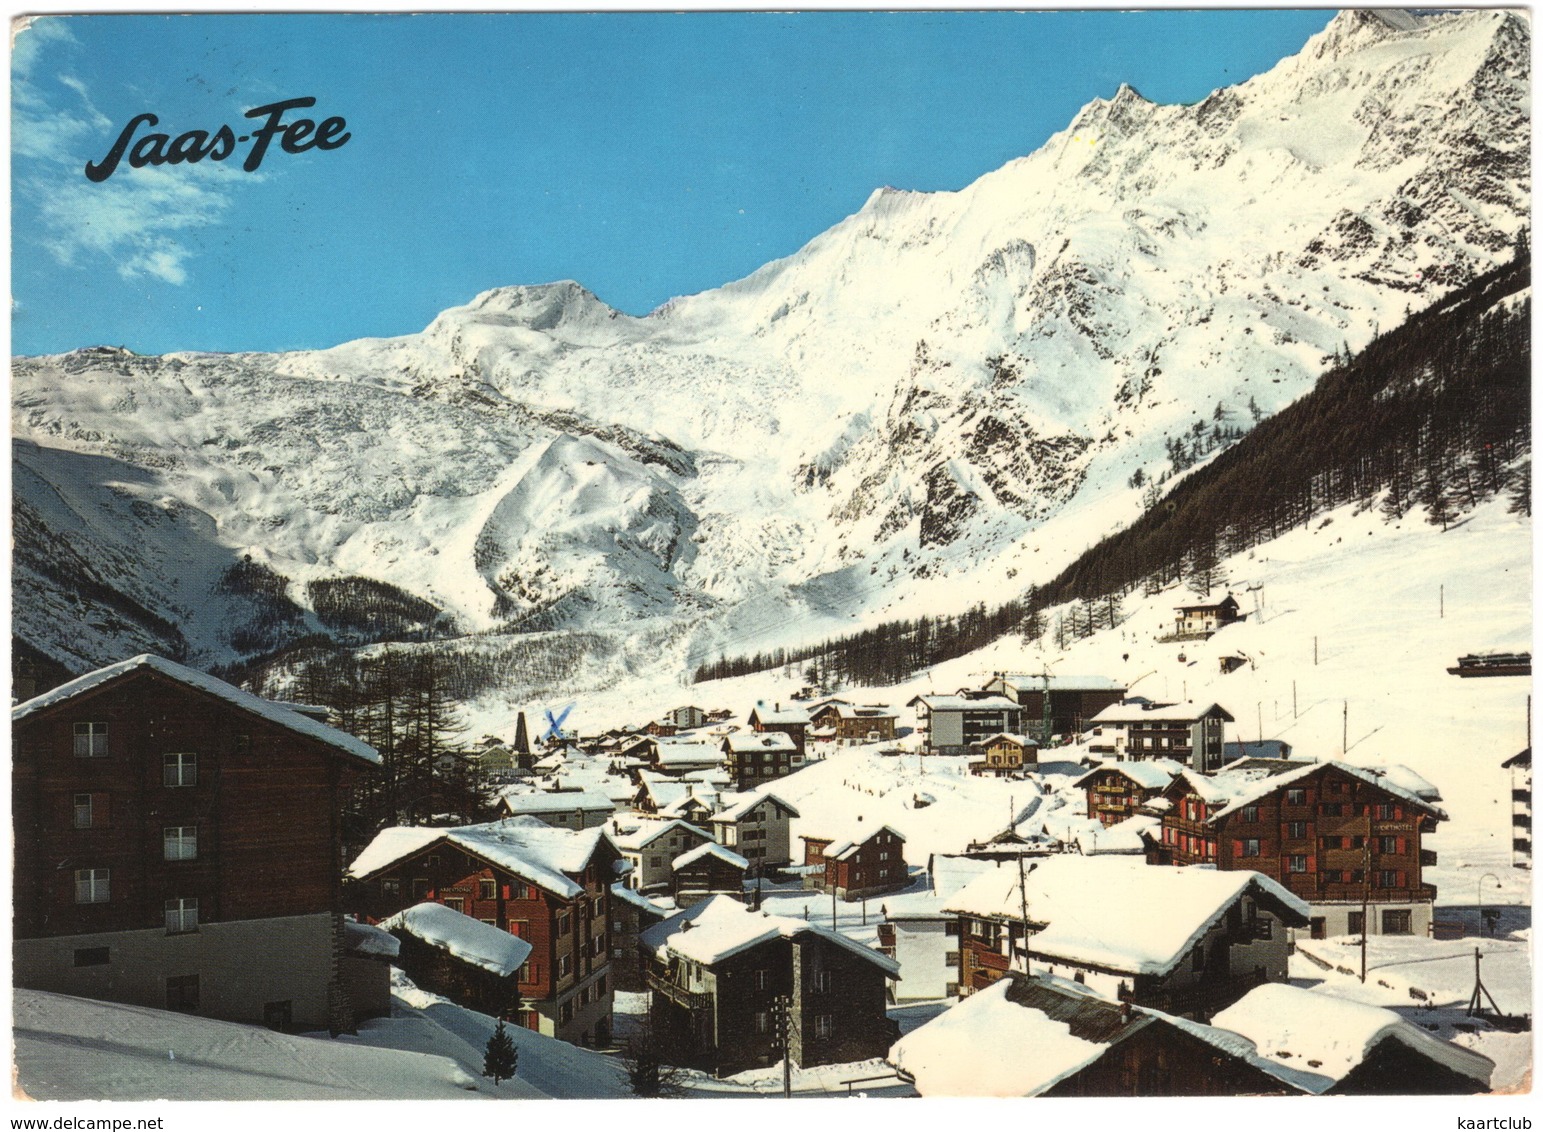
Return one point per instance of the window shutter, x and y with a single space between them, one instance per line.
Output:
1403 845
1237 847
506 893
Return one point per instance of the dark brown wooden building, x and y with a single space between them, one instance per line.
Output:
1116 791
467 961
551 887
755 758
177 846
846 723
1073 700
859 864
720 972
1342 838
784 718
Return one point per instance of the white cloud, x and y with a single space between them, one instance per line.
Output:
136 220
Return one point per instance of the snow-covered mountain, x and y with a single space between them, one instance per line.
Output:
938 401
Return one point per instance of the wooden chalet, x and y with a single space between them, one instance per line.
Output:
1189 733
679 756
1335 1046
177 846
565 809
661 728
860 863
1116 791
788 720
1344 839
1056 1039
707 870
1004 755
756 825
1185 941
1073 700
848 724
718 970
1204 618
550 887
467 961
755 758
650 847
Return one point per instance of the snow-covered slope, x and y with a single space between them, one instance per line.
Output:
935 402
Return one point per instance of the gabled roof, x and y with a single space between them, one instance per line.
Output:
1186 712
1149 774
1209 604
255 705
776 714
1118 914
520 802
845 710
710 849
1323 1039
1021 740
852 838
524 846
721 927
742 742
650 831
471 941
738 805
621 892
686 752
1230 790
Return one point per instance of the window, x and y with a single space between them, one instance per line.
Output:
1332 809
1357 923
90 740
823 981
487 889
1296 830
563 920
181 915
824 1025
92 956
564 965
1251 847
1387 878
1395 921
83 811
179 769
1250 813
656 862
182 993
1387 845
93 886
420 889
600 986
390 888
565 1014
1387 811
180 842
1296 797
241 742
762 1022
1296 864
456 903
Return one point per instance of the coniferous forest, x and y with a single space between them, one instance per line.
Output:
1435 414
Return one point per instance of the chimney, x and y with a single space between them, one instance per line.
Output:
1124 1013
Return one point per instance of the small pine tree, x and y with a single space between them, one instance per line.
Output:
501 1058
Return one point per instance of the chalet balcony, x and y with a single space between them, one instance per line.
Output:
677 993
1427 857
1522 796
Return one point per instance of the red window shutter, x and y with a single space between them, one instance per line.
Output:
506 893
1312 863
1403 879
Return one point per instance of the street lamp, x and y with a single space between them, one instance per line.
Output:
1480 886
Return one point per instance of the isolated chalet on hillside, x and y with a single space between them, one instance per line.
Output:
550 887
718 970
177 846
1342 838
1204 618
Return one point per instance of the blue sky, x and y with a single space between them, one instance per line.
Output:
644 155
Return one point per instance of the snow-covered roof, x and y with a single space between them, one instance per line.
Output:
709 849
853 837
1021 740
963 703
367 939
698 795
525 846
1116 913
621 892
471 941
647 831
721 926
752 741
266 709
779 714
1186 712
1320 1036
687 752
844 710
1231 790
1149 774
546 802
1208 604
736 806
1024 683
1129 836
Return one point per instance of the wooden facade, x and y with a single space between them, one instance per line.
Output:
856 869
1115 793
1333 838
1004 755
564 986
158 819
849 723
753 760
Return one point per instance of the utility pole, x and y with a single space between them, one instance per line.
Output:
781 1011
1366 899
1344 731
832 907
1443 599
1293 699
1023 911
1315 652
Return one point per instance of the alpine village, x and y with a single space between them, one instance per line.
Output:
1221 788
